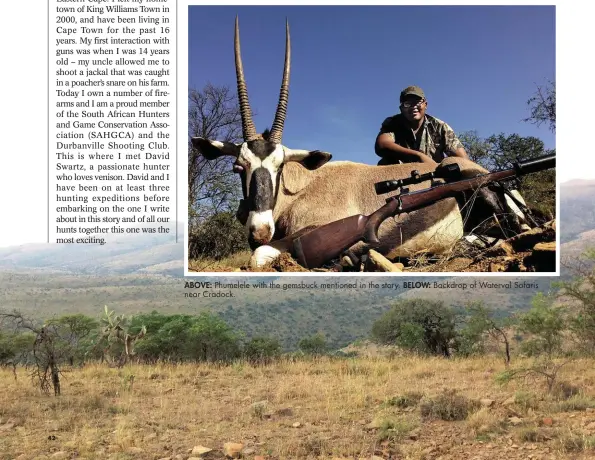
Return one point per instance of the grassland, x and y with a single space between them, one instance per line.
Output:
357 408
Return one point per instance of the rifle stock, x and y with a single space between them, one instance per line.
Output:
315 247
326 242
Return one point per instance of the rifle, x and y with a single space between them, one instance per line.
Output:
313 247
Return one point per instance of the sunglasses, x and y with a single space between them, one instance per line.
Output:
408 104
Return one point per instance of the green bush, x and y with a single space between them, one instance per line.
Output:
420 325
220 236
314 345
262 350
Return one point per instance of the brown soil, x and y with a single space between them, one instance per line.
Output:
324 409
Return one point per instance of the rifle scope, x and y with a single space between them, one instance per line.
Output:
448 173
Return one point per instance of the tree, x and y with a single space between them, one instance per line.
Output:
214 191
504 150
476 147
116 340
47 353
314 345
500 151
73 331
182 338
168 337
211 339
545 322
16 349
543 106
425 326
579 292
481 323
262 350
213 113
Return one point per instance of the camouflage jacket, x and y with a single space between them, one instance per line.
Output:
436 138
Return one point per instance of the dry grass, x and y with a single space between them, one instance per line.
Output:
238 260
323 408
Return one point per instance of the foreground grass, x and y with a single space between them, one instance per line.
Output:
206 264
406 408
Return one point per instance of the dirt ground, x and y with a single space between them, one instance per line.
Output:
397 408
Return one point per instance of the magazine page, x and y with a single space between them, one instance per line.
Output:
296 232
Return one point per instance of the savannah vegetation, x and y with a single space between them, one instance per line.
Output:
430 380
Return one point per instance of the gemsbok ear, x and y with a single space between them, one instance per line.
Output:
310 159
214 149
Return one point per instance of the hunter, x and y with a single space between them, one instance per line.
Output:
413 136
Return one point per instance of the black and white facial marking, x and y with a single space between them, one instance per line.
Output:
259 164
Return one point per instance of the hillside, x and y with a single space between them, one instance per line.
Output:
343 315
577 212
139 254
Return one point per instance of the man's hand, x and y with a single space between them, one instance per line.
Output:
389 150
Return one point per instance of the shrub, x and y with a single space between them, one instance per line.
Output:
262 350
408 399
219 236
448 406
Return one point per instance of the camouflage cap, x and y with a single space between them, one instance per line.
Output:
412 91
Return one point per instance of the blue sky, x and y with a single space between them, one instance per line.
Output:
478 65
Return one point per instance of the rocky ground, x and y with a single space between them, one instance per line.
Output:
531 251
405 408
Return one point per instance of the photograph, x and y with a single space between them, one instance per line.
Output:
385 139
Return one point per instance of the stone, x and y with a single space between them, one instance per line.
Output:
526 240
200 450
233 449
548 421
376 262
486 402
287 411
496 267
150 437
549 246
503 248
515 421
510 401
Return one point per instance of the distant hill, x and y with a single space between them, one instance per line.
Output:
139 254
577 208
